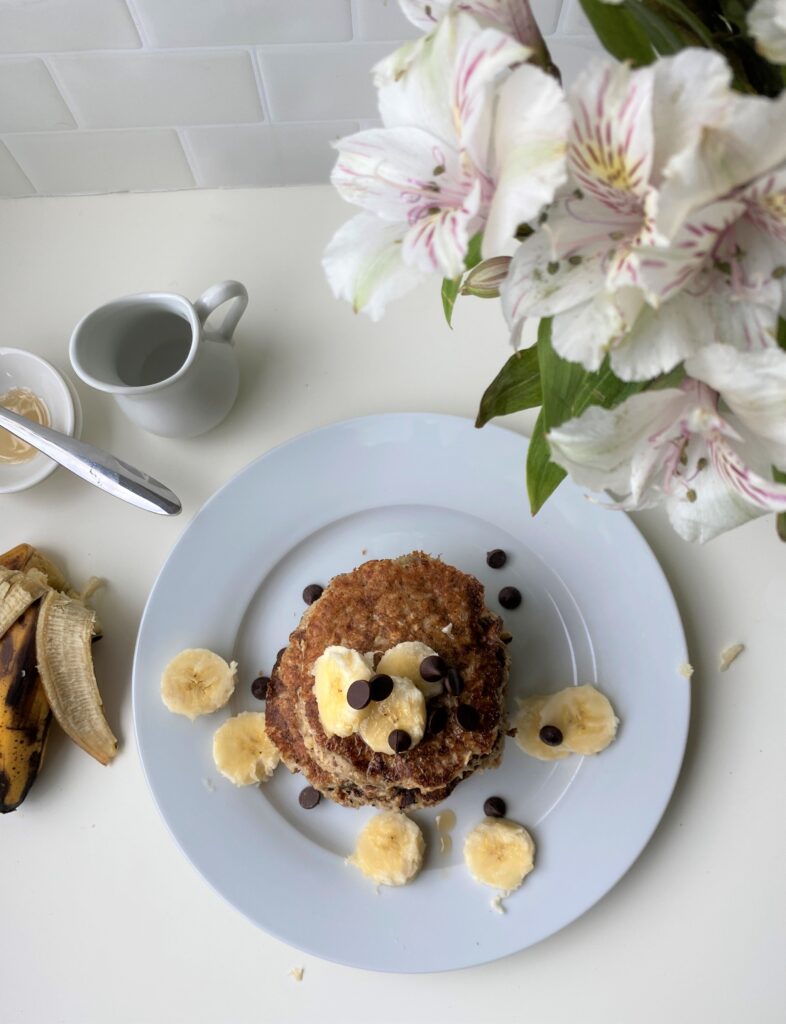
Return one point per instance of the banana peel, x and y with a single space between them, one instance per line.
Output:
46 632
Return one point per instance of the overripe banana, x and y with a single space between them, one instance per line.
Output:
25 716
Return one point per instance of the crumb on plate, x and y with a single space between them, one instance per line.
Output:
497 905
297 973
685 670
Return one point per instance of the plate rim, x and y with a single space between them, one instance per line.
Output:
680 742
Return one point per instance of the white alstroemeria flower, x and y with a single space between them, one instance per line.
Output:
602 266
512 16
433 170
767 25
672 447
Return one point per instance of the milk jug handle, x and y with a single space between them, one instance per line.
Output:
232 292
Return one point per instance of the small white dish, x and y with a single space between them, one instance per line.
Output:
596 609
20 369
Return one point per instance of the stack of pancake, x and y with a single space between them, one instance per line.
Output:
380 604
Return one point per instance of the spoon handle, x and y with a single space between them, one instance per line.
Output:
95 465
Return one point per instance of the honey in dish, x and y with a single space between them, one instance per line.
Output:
23 402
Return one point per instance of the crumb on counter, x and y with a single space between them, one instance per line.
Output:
685 670
297 973
730 654
497 905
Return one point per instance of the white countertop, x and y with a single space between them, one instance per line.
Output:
102 918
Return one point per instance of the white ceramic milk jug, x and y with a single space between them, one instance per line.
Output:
169 372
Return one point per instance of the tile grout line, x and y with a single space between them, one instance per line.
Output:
144 42
188 154
256 67
63 92
22 171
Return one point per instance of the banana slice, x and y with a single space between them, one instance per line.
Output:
404 709
197 682
334 672
243 751
528 723
500 853
390 849
584 716
404 660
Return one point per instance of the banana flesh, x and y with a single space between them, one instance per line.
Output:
404 709
335 670
390 849
499 853
583 715
25 716
242 750
64 635
404 660
197 682
18 590
528 724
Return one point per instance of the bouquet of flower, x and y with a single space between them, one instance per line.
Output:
639 219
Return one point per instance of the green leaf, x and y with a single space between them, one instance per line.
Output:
780 520
662 33
543 475
681 11
619 33
516 387
781 332
569 389
450 290
474 256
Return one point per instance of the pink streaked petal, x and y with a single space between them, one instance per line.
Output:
754 489
662 271
765 201
392 172
611 144
438 242
539 286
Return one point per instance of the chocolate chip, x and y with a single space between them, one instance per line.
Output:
437 720
381 687
495 807
408 798
496 559
467 716
550 735
399 741
309 797
454 684
359 694
510 597
259 687
312 593
433 668
281 654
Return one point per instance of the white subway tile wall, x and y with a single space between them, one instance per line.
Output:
138 95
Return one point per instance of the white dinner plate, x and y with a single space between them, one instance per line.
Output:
596 608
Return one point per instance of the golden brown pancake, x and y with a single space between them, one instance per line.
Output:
378 605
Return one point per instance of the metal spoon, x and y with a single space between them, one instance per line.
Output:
95 465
